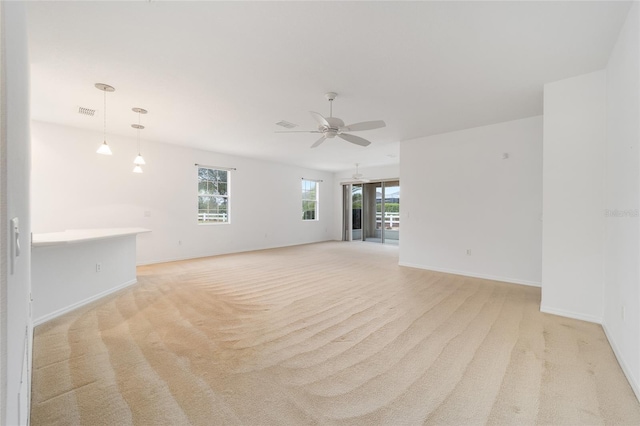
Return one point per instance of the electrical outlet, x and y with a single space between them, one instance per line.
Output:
98 267
468 252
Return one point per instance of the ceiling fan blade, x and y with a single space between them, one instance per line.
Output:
365 125
297 131
318 142
354 139
320 119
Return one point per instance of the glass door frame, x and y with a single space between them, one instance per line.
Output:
347 208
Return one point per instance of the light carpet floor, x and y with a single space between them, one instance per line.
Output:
331 333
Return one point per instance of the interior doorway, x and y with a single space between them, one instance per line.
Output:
374 212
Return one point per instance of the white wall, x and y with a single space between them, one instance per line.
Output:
622 242
573 203
16 356
73 187
459 193
368 172
64 275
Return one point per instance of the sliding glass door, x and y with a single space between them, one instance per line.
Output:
390 219
374 212
372 228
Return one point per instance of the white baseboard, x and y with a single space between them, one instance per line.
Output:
76 305
623 364
570 314
473 275
200 256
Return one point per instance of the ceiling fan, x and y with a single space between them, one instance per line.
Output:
331 126
359 177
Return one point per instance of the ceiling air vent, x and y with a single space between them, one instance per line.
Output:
286 124
86 111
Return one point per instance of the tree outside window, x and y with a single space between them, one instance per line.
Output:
310 199
213 195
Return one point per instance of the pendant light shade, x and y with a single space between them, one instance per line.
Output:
139 160
104 148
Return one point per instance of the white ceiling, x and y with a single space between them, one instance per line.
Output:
219 75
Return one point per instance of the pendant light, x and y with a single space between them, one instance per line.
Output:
104 148
138 161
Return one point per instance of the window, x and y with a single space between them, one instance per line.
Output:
213 195
310 199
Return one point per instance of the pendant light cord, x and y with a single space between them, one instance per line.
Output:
105 116
138 132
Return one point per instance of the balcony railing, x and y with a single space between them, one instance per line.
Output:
391 220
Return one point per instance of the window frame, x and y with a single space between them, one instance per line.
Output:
316 201
226 196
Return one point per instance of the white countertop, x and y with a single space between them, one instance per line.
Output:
79 235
